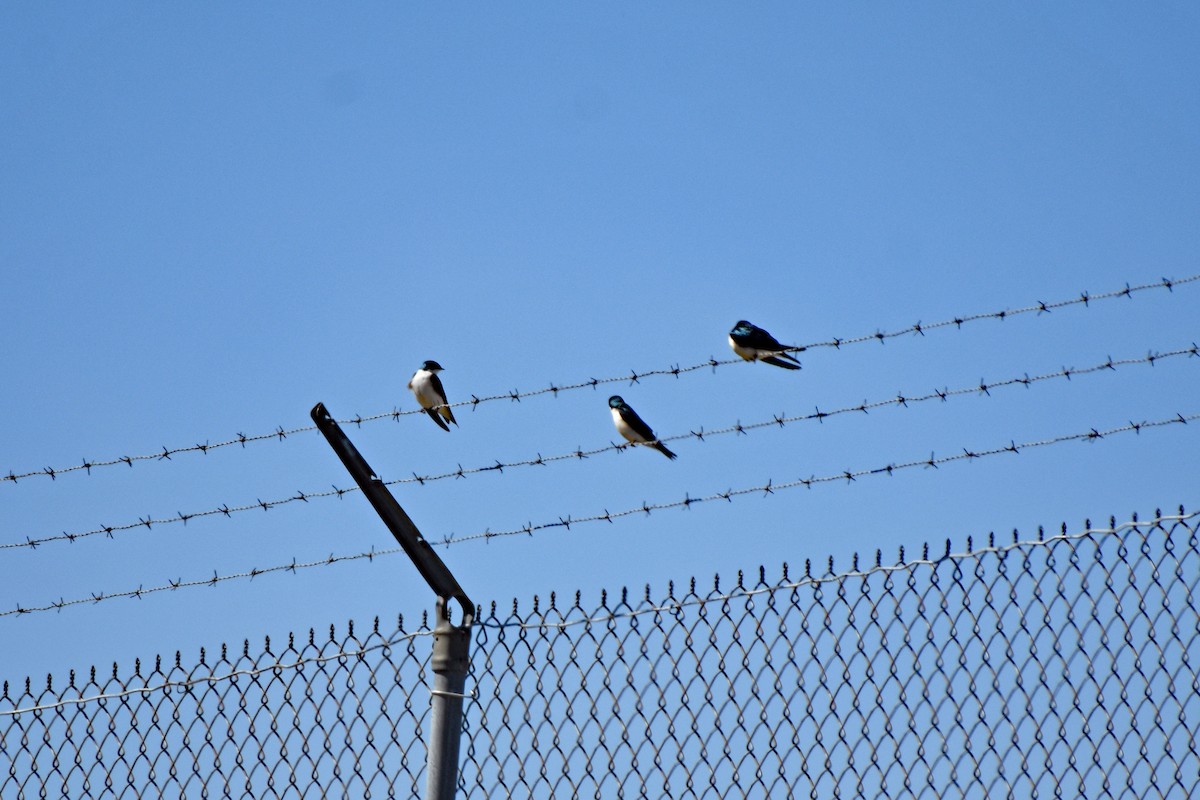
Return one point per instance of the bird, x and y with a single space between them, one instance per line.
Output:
427 388
631 426
754 344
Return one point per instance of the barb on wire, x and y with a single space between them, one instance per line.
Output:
280 433
776 421
1092 434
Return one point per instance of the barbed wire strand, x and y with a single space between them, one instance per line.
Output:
281 433
687 502
692 601
778 421
771 487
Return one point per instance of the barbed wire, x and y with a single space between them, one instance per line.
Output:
849 476
777 421
647 608
1091 435
281 433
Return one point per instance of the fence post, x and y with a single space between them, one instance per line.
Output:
451 659
451 643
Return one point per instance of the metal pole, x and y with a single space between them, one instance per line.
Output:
450 662
451 643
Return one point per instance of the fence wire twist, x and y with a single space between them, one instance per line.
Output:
1066 666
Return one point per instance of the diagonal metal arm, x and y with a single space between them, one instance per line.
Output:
427 562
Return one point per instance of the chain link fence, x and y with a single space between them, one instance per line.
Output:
1061 667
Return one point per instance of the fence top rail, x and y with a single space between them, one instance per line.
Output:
673 606
904 564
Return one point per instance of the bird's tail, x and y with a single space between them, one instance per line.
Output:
778 361
433 415
662 448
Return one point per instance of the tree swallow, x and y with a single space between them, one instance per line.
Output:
754 344
427 388
631 426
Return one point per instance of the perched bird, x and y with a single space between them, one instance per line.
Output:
427 388
754 344
631 426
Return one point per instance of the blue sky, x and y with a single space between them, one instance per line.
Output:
214 217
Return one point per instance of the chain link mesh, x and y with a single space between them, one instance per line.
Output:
1062 667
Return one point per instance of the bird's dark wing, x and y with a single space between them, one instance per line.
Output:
634 421
437 386
445 411
761 340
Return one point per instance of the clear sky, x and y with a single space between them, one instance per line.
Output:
213 217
